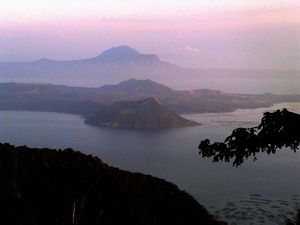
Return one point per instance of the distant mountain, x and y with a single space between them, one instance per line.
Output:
121 63
133 86
119 52
125 54
113 65
46 186
88 101
149 113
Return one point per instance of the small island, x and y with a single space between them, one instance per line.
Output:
147 114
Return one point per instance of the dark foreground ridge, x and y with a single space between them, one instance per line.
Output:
148 114
43 186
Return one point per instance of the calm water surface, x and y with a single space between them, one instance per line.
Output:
172 154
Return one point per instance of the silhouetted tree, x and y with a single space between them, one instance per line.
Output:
278 129
294 222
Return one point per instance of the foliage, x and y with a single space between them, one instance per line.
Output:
44 186
296 221
277 130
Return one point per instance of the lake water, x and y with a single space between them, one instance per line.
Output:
262 192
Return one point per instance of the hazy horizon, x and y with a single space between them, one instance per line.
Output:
192 34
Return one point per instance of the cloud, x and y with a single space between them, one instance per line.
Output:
190 49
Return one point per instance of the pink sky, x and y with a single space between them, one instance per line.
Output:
218 34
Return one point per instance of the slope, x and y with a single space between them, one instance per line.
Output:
149 113
114 65
43 186
88 101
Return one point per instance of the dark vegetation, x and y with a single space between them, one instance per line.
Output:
295 221
43 186
277 130
89 101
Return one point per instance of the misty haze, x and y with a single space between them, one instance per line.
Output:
103 106
123 62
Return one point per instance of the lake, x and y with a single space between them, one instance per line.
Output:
262 192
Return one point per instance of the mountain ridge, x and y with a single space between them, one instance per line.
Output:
49 186
88 101
114 54
137 86
149 113
94 72
115 64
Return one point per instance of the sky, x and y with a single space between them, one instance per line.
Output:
251 34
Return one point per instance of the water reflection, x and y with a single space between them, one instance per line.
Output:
171 154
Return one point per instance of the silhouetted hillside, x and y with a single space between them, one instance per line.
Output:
43 186
149 113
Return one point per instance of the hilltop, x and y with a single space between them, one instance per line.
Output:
137 87
45 186
149 113
114 64
126 54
